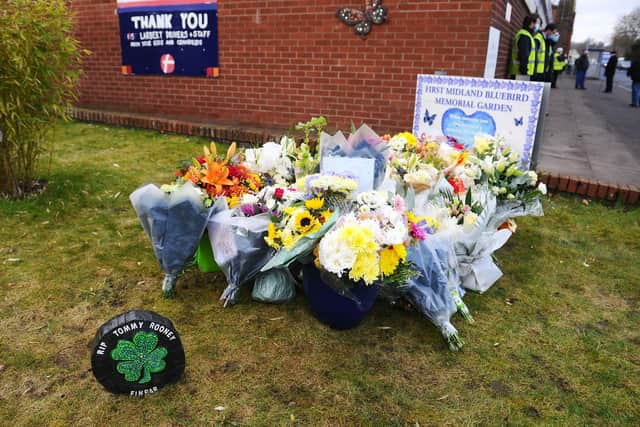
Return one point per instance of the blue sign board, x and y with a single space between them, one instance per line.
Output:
169 37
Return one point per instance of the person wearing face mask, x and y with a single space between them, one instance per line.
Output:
552 41
610 71
523 53
543 44
559 62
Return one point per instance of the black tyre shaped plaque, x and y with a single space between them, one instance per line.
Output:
137 353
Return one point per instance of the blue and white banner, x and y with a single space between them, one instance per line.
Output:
463 107
169 37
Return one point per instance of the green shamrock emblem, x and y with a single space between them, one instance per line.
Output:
138 355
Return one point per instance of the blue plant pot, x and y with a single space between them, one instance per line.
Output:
333 309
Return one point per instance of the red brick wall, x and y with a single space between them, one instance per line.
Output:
282 61
507 30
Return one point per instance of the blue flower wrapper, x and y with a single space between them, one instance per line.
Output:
175 223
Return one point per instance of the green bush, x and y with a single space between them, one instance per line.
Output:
39 69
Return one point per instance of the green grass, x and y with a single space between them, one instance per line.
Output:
565 352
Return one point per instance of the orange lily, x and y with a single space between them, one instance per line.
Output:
216 175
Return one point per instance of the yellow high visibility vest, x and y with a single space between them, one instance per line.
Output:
557 64
541 53
515 63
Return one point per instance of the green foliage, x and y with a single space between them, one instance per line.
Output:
38 72
316 124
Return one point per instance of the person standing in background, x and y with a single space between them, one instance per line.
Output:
634 73
544 42
582 65
523 53
610 71
559 62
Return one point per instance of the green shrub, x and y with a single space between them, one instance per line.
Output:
39 69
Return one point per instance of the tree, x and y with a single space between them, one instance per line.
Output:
627 30
39 70
589 43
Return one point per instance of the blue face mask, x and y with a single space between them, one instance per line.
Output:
536 28
554 37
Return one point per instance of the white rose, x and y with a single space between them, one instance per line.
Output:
542 188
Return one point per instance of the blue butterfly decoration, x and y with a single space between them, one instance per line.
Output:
519 121
429 119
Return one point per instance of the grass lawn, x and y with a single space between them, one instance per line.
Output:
556 340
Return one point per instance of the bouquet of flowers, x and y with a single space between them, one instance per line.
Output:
501 172
271 199
369 244
273 161
175 222
364 144
221 176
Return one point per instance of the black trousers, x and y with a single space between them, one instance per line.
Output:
609 83
554 77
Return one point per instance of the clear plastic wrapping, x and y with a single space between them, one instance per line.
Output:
175 223
238 248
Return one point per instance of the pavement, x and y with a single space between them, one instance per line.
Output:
592 135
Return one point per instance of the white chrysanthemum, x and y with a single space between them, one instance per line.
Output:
372 199
334 255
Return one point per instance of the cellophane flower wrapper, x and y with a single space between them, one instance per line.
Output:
302 250
474 249
174 222
238 247
506 209
363 143
429 291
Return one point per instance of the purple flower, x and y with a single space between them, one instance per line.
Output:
417 232
248 210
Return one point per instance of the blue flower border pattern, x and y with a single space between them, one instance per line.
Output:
534 88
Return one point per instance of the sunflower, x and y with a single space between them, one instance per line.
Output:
272 236
305 222
315 203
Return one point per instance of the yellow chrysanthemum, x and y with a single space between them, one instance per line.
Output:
360 239
390 258
366 268
314 204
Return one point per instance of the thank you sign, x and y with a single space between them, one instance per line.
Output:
463 107
169 37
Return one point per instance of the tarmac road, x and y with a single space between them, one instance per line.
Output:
591 134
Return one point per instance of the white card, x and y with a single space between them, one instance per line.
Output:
360 168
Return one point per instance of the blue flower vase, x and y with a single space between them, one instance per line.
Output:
333 309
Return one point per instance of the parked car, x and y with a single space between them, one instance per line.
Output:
624 64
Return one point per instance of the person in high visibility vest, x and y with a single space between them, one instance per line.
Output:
559 62
543 45
523 53
552 37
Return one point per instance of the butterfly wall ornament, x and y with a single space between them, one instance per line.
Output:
429 118
362 20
